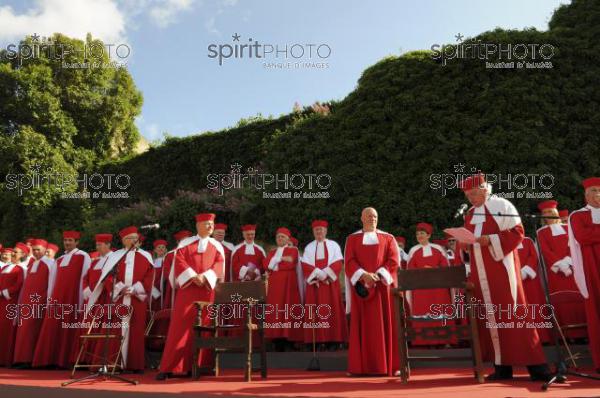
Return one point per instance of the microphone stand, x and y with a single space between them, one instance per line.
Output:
103 371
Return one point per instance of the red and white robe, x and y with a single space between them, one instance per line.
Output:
373 343
12 277
228 250
245 257
194 256
322 263
134 272
422 302
531 277
568 302
284 303
585 253
34 294
495 271
58 345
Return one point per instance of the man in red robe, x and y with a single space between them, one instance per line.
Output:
33 296
322 262
402 254
553 239
247 257
564 216
51 251
12 277
284 304
156 299
584 225
532 280
58 344
371 258
495 271
199 264
126 281
422 302
219 235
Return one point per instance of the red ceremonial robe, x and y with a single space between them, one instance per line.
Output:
90 280
373 343
245 257
585 252
228 250
195 256
58 345
128 316
494 272
322 263
422 301
169 281
156 298
564 295
284 304
11 282
33 296
532 280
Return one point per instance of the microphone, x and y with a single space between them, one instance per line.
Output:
461 210
150 226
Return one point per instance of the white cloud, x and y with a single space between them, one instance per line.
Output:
164 12
101 18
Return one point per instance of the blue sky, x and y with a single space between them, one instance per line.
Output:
186 92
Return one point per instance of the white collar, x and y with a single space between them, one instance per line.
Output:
370 238
595 214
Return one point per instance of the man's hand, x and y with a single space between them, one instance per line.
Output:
369 279
200 280
128 291
250 275
483 240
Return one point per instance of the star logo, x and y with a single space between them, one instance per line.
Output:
35 37
458 37
459 298
35 298
235 168
236 37
458 168
236 297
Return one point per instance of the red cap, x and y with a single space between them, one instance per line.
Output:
28 241
563 213
285 231
320 223
128 231
39 242
423 226
205 217
221 226
294 241
547 204
71 235
401 239
7 250
184 233
159 242
24 248
249 227
53 247
591 182
94 255
441 242
475 181
104 238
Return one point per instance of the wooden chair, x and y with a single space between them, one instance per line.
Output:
156 334
434 278
249 294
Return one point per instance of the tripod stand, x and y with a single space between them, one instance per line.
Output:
562 369
104 372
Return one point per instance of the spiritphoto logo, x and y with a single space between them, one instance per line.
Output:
95 185
274 186
506 185
94 53
272 56
496 55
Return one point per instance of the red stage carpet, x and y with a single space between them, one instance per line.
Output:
291 383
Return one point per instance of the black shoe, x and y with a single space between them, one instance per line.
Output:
162 376
501 372
540 373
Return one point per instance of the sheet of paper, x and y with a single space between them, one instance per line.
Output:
461 234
